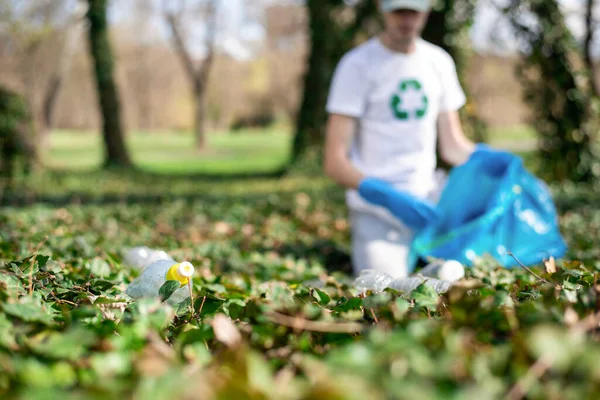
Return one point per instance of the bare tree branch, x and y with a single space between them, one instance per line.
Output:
197 73
179 44
211 38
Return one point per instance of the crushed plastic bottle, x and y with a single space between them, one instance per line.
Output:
371 279
407 285
450 270
140 257
156 274
378 281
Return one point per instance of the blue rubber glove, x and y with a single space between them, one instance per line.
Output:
415 213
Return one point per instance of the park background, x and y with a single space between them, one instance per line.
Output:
208 147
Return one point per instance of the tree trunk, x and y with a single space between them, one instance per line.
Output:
329 40
589 39
560 102
199 112
48 109
312 116
197 74
115 151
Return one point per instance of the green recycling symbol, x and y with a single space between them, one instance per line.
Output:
396 103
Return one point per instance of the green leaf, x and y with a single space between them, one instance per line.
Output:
167 289
69 345
401 307
503 299
183 307
210 307
99 267
29 310
558 347
571 296
11 285
198 335
235 308
571 286
425 297
574 273
30 265
111 364
7 335
260 375
322 297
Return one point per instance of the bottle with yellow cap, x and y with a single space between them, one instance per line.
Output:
141 256
156 274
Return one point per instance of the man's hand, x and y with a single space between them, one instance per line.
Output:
340 132
455 147
414 212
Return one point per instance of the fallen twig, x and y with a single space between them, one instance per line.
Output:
201 305
315 326
528 269
374 317
191 299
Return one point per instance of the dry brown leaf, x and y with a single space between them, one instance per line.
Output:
550 265
225 331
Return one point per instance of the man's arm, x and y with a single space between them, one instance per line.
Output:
455 147
340 131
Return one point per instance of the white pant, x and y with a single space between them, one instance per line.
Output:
383 245
380 245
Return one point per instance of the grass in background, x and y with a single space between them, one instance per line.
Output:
175 153
517 133
256 151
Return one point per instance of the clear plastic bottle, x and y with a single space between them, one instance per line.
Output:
450 270
379 281
371 279
140 257
156 274
407 285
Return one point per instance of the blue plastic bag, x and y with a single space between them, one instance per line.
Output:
493 210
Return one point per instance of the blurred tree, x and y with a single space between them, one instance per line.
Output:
334 29
557 88
69 35
197 73
286 51
16 135
116 154
41 35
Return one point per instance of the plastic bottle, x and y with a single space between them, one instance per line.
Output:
379 281
371 279
142 256
450 270
407 285
156 274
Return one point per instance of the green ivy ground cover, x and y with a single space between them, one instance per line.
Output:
274 314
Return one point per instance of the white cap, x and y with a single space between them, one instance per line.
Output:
186 269
417 5
452 271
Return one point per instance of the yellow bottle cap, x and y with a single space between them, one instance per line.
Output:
181 272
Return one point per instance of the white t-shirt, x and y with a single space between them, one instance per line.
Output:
397 99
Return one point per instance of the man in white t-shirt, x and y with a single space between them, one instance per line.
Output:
390 100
